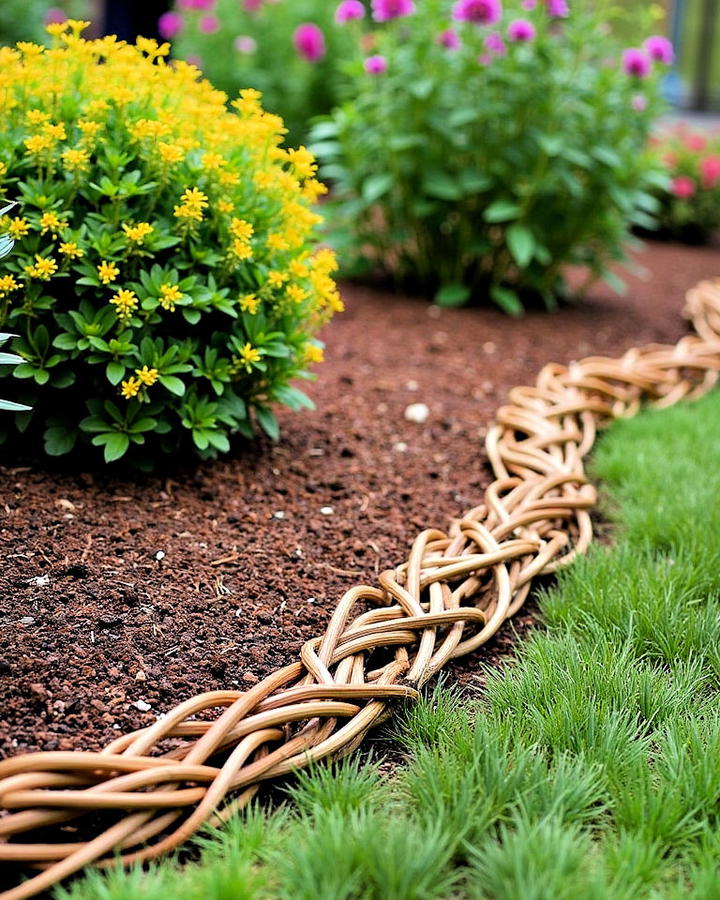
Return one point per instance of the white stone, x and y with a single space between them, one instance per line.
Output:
327 510
417 412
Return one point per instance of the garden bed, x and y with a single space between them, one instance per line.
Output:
121 597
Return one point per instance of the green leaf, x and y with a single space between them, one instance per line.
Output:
268 422
501 211
59 440
192 316
375 186
115 371
116 446
521 243
452 295
440 185
174 385
507 300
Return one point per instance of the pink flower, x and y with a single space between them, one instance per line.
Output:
252 5
484 59
636 63
169 25
696 142
349 10
494 44
660 49
449 38
481 12
558 9
529 5
521 31
55 16
243 43
309 42
196 4
375 65
710 171
639 103
683 187
384 10
209 24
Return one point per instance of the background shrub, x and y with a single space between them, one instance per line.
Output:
254 43
485 150
690 208
162 282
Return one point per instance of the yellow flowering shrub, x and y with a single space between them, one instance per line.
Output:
165 285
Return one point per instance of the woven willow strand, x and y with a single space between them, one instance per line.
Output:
206 758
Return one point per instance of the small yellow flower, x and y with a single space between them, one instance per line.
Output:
107 272
194 198
55 132
55 29
170 153
75 160
276 279
51 222
314 354
71 250
225 206
211 162
147 376
38 143
249 304
130 388
8 283
43 269
302 162
241 249
241 229
249 355
18 228
277 242
137 233
169 295
296 293
36 117
88 127
125 303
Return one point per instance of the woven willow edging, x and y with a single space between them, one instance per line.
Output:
158 785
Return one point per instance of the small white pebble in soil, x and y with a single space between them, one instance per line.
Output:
27 620
316 451
140 676
327 511
142 706
311 599
417 412
400 447
39 581
279 514
412 385
298 552
489 347
160 555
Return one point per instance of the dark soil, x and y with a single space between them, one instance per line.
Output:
114 592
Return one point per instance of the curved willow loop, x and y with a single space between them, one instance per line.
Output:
151 790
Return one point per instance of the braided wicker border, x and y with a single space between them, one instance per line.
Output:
206 758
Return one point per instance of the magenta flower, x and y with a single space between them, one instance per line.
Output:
207 5
636 63
209 24
683 187
252 5
529 5
349 10
384 10
660 49
55 16
449 38
710 171
495 45
243 43
309 42
558 9
169 25
520 31
375 65
481 12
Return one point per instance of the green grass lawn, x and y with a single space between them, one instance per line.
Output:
589 767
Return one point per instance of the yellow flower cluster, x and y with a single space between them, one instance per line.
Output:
125 302
137 233
191 206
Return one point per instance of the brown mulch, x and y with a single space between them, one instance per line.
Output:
118 592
